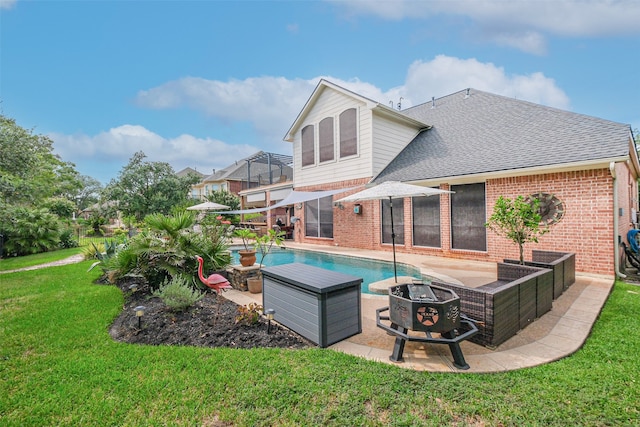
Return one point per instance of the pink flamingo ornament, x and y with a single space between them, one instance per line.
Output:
215 281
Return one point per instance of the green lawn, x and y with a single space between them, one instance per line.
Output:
14 263
58 366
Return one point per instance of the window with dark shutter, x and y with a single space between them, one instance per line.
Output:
398 221
468 216
426 221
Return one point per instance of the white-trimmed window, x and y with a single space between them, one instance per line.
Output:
326 140
308 146
348 133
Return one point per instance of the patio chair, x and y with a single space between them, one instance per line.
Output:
632 257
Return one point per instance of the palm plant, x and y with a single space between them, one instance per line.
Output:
31 231
168 247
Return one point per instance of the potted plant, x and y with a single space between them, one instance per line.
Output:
248 255
263 245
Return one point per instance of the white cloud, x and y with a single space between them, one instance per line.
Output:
7 4
444 75
117 145
271 104
521 24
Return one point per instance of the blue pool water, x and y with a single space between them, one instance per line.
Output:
370 270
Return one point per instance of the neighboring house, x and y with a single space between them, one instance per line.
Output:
480 146
259 169
189 171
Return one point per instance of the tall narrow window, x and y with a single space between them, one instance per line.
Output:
468 216
426 221
348 133
325 140
318 218
398 221
308 149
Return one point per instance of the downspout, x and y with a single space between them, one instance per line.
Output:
616 246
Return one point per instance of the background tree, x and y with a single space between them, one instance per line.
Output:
29 171
144 187
224 198
518 220
36 187
228 199
89 193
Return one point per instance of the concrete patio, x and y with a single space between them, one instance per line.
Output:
555 335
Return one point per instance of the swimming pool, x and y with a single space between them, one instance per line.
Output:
370 270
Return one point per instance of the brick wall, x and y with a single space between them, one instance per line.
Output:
586 229
349 229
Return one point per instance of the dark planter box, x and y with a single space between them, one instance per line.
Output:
424 308
501 308
563 265
321 305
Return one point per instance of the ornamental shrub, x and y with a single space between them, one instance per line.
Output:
177 294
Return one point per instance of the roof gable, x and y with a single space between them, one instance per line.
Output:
321 87
324 85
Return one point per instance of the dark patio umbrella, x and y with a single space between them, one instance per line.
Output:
393 190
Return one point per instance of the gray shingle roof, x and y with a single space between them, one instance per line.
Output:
485 133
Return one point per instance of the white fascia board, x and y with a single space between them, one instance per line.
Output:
538 170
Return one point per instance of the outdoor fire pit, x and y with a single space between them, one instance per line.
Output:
429 309
424 308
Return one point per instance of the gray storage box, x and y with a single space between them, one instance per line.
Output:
321 305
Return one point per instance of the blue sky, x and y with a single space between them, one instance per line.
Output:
204 83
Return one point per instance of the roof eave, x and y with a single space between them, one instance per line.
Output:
509 173
383 110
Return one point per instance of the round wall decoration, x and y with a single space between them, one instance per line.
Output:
551 208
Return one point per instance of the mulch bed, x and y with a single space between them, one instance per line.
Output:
210 322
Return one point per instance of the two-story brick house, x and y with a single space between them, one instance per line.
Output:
478 145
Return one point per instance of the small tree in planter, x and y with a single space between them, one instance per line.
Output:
518 220
263 245
248 255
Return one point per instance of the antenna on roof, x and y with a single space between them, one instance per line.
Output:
400 103
433 102
467 94
391 104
